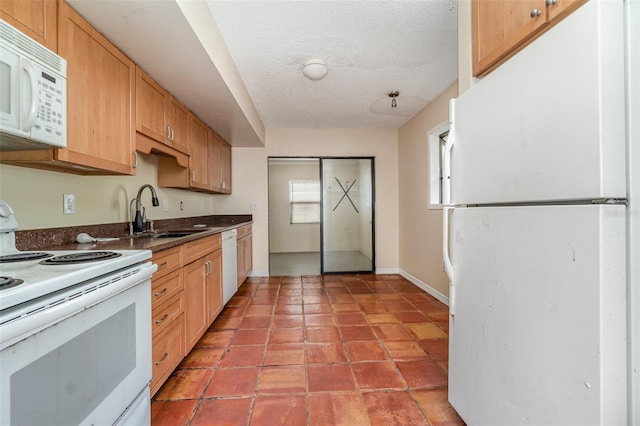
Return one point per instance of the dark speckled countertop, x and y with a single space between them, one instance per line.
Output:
65 238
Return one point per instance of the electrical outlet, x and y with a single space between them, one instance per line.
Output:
165 205
253 207
68 203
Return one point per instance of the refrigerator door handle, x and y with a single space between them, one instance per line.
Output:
446 258
446 161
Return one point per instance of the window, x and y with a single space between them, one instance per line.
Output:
304 201
437 139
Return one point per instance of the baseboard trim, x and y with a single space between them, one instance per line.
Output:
387 271
435 293
259 274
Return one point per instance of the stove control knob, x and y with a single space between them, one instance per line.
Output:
8 222
5 209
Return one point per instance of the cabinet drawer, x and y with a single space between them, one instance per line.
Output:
243 230
196 249
167 352
167 261
164 288
166 313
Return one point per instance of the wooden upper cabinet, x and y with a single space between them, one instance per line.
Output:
215 156
159 115
501 27
100 102
151 99
35 18
178 122
199 158
219 164
225 165
100 97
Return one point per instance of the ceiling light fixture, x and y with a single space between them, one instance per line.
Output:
401 106
315 69
393 95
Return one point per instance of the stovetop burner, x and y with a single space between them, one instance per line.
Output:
82 257
21 257
9 282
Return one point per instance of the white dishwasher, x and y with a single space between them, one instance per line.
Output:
229 265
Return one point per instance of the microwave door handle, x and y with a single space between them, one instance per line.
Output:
30 118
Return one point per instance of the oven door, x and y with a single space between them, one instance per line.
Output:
86 368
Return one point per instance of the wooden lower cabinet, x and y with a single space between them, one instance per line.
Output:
195 276
213 289
167 352
186 294
244 253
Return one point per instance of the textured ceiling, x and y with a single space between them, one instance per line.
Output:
371 48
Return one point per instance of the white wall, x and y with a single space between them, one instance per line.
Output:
421 228
381 144
283 236
36 196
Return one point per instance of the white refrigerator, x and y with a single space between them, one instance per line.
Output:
541 229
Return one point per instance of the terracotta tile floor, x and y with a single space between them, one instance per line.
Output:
316 350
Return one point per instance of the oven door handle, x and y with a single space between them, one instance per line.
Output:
28 321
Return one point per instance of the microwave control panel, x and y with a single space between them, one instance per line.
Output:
50 124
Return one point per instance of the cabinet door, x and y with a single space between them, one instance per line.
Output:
557 8
214 286
35 18
248 255
215 157
100 97
240 260
499 26
178 122
195 278
199 158
225 168
151 99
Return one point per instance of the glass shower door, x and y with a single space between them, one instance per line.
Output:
347 215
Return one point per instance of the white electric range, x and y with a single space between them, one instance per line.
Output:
75 334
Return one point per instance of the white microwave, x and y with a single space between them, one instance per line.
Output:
33 93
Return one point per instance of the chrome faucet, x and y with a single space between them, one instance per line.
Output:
140 220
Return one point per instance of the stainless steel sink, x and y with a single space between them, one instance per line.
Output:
173 234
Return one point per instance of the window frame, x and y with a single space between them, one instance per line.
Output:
305 203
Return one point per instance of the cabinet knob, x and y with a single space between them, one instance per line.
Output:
551 2
535 13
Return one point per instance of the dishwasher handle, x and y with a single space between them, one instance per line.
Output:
229 235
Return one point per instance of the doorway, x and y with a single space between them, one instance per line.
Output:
321 215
